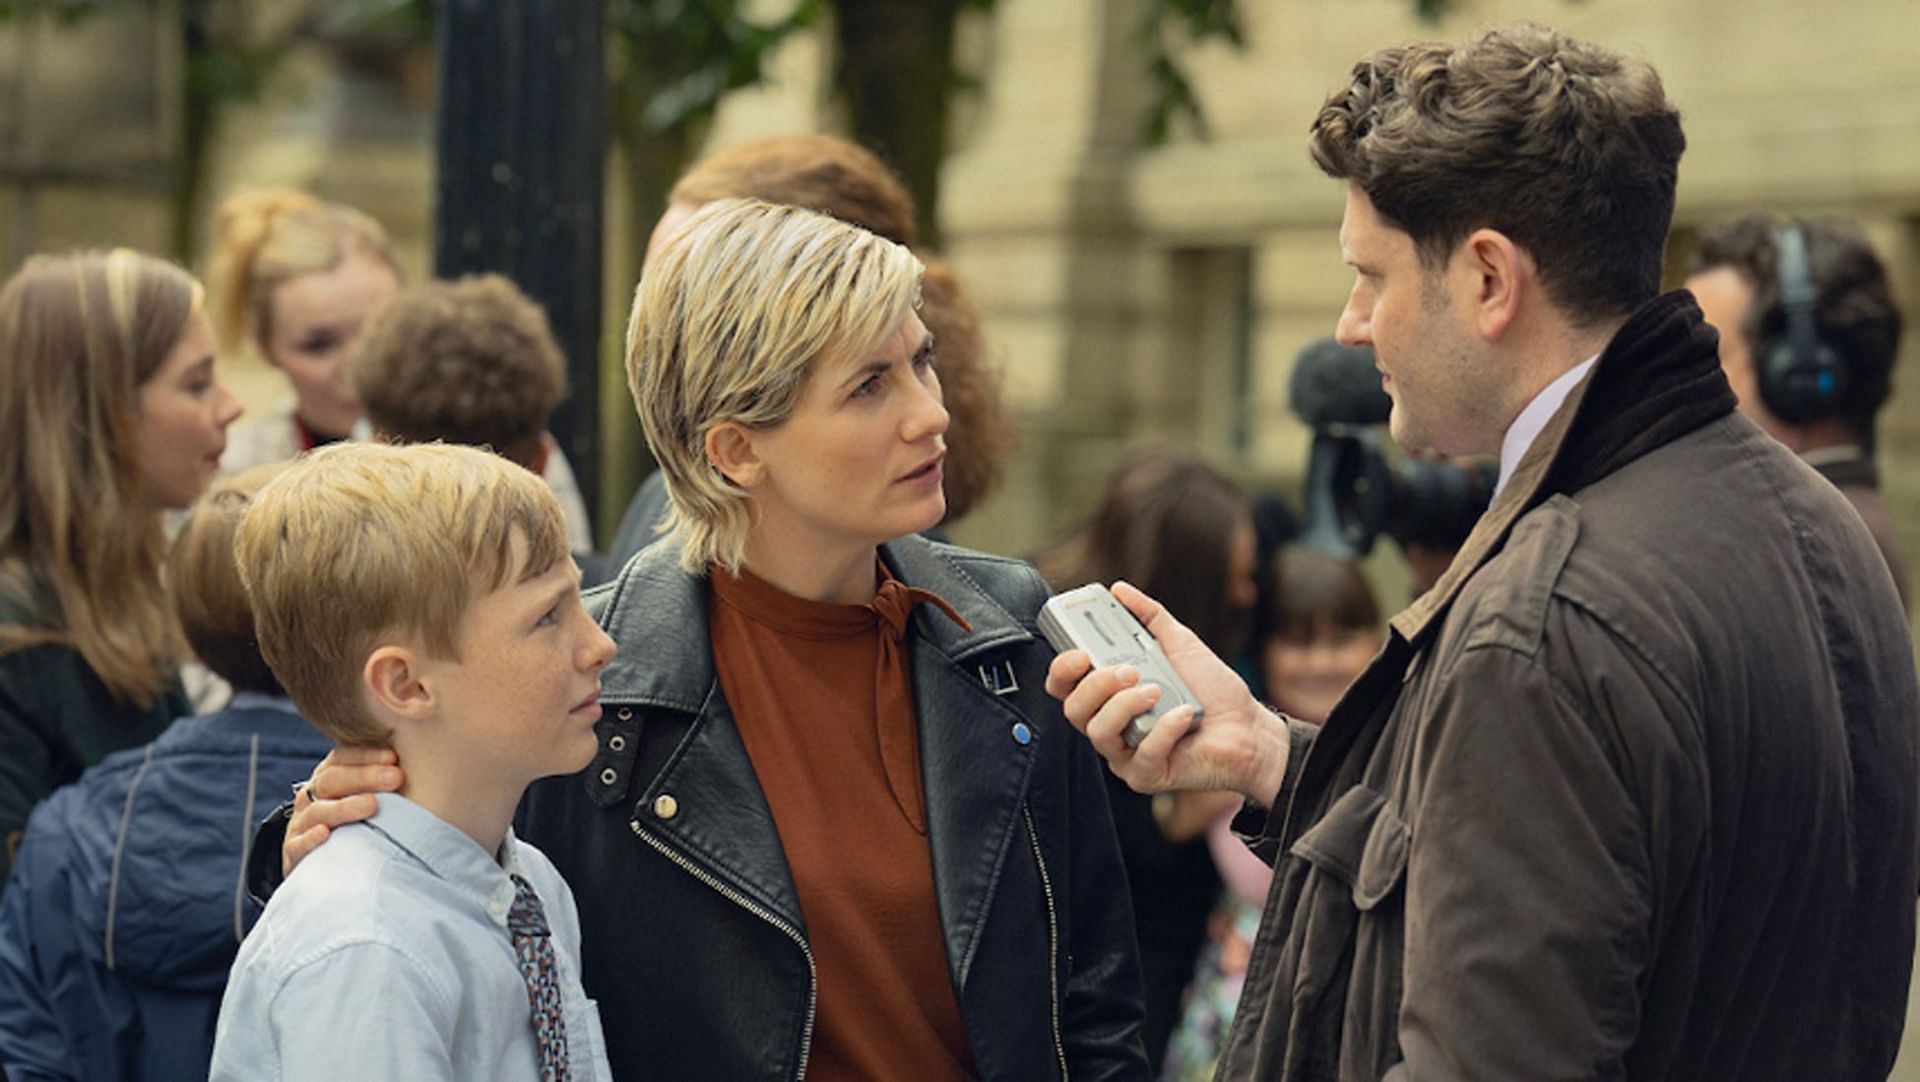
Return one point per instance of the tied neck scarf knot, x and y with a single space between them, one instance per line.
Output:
893 692
894 605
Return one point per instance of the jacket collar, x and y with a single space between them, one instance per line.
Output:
1658 379
976 773
657 612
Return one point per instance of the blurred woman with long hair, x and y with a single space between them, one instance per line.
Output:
111 415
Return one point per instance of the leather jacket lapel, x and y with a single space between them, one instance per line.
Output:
969 693
708 804
976 777
704 802
975 771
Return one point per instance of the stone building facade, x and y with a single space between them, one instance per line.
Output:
1133 293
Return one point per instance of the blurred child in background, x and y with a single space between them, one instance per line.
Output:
297 280
471 361
1316 627
115 942
1169 524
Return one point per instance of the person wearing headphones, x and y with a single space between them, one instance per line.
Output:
1809 333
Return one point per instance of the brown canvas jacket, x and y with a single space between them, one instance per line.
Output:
1631 793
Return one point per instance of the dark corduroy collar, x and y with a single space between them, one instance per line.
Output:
1658 379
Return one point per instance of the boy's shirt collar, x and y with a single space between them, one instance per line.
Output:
450 854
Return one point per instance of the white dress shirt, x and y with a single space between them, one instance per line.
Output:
1527 426
386 955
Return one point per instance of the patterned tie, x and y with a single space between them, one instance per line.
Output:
533 943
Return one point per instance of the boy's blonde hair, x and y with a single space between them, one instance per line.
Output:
729 320
361 543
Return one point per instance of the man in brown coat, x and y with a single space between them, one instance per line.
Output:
1631 792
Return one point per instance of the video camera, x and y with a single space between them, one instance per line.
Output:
1354 492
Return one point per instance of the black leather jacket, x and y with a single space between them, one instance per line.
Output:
695 944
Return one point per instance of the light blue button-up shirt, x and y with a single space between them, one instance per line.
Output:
386 956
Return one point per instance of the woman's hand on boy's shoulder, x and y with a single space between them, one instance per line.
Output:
339 792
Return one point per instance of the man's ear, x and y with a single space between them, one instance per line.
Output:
731 453
1503 275
394 678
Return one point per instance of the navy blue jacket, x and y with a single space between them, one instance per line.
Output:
126 903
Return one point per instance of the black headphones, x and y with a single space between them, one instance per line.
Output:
1802 378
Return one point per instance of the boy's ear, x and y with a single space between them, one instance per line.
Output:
394 678
732 454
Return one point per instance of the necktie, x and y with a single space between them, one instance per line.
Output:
533 945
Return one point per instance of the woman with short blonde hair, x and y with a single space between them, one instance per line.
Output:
844 180
775 296
819 710
836 826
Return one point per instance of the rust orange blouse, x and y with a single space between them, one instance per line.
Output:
824 703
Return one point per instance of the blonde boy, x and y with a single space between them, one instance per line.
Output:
422 597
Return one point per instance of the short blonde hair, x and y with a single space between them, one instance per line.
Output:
358 543
730 319
834 176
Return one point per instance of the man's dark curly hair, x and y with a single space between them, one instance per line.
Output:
471 361
1568 149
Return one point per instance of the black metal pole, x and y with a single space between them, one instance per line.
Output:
520 158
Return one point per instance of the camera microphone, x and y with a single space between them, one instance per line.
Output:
1354 493
1334 385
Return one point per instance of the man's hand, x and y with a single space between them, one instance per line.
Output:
339 792
1236 744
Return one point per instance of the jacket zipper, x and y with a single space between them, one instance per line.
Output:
1053 940
741 900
